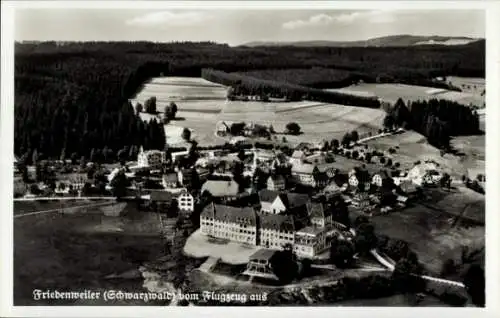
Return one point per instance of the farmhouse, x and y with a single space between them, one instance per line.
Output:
170 180
151 158
298 157
359 178
379 178
274 202
276 183
185 203
424 173
224 189
305 174
235 224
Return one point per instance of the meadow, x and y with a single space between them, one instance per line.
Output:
201 106
391 92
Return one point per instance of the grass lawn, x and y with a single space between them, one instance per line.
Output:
75 252
428 229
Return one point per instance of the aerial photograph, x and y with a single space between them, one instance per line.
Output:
231 157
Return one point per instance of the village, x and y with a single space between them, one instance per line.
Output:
260 195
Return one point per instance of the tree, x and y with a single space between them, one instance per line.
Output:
389 162
341 253
292 128
138 108
368 157
62 157
445 180
355 154
449 268
365 239
284 139
34 157
241 154
346 140
335 143
186 134
150 105
474 282
119 184
354 136
388 122
271 129
236 129
174 108
382 160
34 189
284 265
406 275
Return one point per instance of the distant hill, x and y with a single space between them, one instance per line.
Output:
385 41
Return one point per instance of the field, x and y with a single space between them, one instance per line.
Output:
472 85
78 251
391 92
412 146
201 105
428 228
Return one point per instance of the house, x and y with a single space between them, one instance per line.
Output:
274 202
232 223
188 178
185 203
305 174
240 141
222 129
424 173
259 264
224 189
276 230
360 179
77 180
320 215
160 196
276 183
408 187
170 180
151 158
379 178
320 180
332 189
310 241
298 157
361 200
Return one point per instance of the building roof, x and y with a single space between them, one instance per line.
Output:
170 177
159 195
319 210
361 174
276 178
298 154
305 168
407 186
340 179
310 230
221 188
227 213
277 222
332 187
263 254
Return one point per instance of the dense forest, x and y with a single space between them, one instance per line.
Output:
438 120
246 85
72 97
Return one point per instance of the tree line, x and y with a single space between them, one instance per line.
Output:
246 85
438 120
74 96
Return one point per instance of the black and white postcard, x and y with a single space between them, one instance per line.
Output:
317 155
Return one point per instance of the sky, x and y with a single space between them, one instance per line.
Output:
236 27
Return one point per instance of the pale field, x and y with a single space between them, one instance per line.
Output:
391 92
413 147
201 107
473 85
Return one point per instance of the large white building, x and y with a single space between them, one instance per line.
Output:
150 158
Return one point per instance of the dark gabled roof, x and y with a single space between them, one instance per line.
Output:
362 175
383 173
159 195
266 195
340 179
294 200
227 213
277 222
263 254
317 210
322 176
